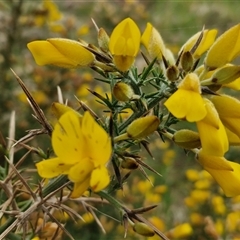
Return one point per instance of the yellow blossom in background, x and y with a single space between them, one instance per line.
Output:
181 231
88 218
187 102
83 30
52 14
192 175
212 133
168 157
124 44
225 49
39 96
57 28
232 221
218 205
60 52
203 184
52 10
83 148
196 219
152 41
219 226
200 196
158 222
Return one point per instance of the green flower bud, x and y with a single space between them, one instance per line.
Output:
187 139
172 73
186 61
224 75
122 92
143 229
103 40
142 127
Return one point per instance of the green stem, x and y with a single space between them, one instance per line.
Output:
112 200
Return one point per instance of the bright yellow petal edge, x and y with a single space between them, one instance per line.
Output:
60 52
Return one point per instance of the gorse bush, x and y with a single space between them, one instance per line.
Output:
95 152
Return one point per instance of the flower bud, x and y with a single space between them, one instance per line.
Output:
122 92
143 229
224 75
187 139
186 61
58 109
172 73
153 42
142 127
103 40
129 163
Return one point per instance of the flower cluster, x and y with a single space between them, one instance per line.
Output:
192 89
189 88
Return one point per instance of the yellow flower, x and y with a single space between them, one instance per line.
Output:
124 44
229 112
226 173
212 133
52 9
83 148
60 52
187 101
225 49
206 42
152 41
181 231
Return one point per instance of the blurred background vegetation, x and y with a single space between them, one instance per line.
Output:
186 195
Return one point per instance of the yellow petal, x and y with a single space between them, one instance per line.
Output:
125 39
206 42
59 109
214 140
229 181
213 162
212 117
123 63
225 49
212 133
60 52
51 168
73 50
79 188
232 124
98 144
232 138
81 171
40 51
191 83
227 106
99 179
186 104
234 85
67 139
